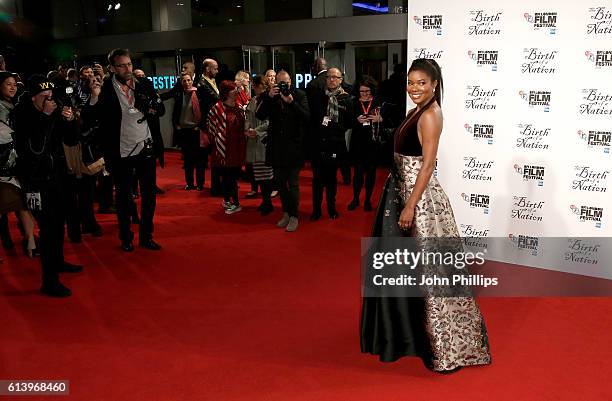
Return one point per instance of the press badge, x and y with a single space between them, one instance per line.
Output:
366 123
326 121
132 110
33 201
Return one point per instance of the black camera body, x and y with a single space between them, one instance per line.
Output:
146 105
284 88
65 95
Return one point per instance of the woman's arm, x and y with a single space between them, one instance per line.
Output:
430 128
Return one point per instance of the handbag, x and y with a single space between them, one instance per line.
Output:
76 165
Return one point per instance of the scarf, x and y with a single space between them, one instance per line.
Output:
332 103
217 128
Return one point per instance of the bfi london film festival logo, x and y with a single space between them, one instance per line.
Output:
583 251
526 209
537 99
479 98
481 132
587 214
600 21
599 58
484 23
600 140
423 52
543 21
477 170
531 173
533 137
484 58
429 23
537 61
477 201
595 102
589 179
525 243
474 237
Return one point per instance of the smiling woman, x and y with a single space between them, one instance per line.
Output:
446 332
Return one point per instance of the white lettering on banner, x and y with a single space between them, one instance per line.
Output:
302 80
163 82
524 135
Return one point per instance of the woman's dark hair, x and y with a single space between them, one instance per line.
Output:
430 67
259 80
368 81
225 88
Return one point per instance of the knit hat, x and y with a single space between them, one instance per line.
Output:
38 83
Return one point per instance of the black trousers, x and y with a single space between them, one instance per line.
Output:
215 182
324 178
369 171
123 171
266 191
229 183
288 182
195 158
105 191
79 201
50 220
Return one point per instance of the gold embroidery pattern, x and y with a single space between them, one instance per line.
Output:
454 324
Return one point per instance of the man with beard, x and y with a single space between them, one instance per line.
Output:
128 110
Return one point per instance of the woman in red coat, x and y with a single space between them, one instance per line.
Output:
226 128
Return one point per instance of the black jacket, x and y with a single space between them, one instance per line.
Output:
41 161
288 124
208 97
107 111
329 140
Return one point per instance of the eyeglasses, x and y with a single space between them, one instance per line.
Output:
333 77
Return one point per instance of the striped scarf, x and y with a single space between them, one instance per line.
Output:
332 103
217 129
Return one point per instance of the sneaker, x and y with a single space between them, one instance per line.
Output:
189 187
251 194
293 224
274 194
282 223
233 209
226 205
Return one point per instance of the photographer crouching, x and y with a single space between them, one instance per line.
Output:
41 129
128 110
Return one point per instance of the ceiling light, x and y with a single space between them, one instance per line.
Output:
110 7
117 6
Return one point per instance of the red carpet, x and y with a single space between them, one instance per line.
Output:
234 308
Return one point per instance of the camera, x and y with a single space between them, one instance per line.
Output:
65 95
146 105
283 88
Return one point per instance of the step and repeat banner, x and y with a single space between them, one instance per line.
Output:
525 150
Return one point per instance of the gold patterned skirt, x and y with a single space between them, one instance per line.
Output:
447 332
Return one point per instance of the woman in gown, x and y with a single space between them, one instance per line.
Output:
446 332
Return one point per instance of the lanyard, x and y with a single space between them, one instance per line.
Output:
128 93
366 111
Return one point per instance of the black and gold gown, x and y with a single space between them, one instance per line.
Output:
446 332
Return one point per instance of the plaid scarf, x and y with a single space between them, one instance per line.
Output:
332 103
217 128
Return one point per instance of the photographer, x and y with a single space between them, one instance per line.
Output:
79 187
41 128
128 110
332 116
287 110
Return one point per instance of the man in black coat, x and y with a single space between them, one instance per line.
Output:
208 95
128 110
41 129
288 114
331 116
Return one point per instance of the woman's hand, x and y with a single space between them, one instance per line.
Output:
362 118
406 217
